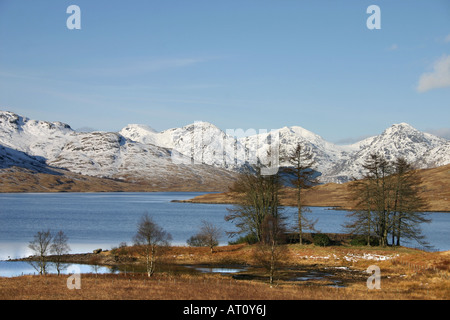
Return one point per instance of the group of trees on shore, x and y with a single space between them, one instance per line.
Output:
44 243
388 205
388 202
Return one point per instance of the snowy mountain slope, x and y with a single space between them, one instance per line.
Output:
201 150
201 141
398 140
111 155
436 157
34 144
324 152
207 144
36 138
10 158
140 133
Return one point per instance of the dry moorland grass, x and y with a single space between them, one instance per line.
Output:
405 274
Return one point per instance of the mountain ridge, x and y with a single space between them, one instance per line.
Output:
138 152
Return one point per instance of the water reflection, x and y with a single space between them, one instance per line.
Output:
21 268
223 270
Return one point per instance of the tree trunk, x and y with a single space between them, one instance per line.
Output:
300 232
272 262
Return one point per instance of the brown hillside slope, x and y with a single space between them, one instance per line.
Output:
435 189
23 180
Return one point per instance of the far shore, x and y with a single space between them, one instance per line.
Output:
435 185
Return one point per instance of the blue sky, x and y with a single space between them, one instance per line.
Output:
238 64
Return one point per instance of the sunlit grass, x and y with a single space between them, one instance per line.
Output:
405 274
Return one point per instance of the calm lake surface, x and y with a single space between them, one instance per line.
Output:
104 220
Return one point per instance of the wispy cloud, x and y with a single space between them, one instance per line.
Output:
138 67
438 78
447 38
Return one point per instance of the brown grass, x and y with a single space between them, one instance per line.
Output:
409 274
212 287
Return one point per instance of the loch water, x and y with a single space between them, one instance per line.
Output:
105 220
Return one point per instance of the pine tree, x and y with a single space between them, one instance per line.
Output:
301 174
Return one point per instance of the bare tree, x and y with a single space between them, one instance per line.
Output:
208 236
94 262
59 247
149 238
270 251
41 247
258 197
362 217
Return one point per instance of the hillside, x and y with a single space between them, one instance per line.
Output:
435 186
16 179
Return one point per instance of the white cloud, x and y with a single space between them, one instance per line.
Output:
438 78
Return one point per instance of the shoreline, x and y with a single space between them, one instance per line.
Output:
115 257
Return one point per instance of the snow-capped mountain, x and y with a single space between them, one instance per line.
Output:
422 149
36 138
325 154
201 141
36 144
199 150
336 163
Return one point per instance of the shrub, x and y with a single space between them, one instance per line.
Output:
362 241
249 238
122 250
321 239
197 241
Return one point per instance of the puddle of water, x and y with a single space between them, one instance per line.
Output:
316 275
219 270
20 268
313 275
222 270
337 284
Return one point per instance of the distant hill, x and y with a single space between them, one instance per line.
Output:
17 179
435 189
